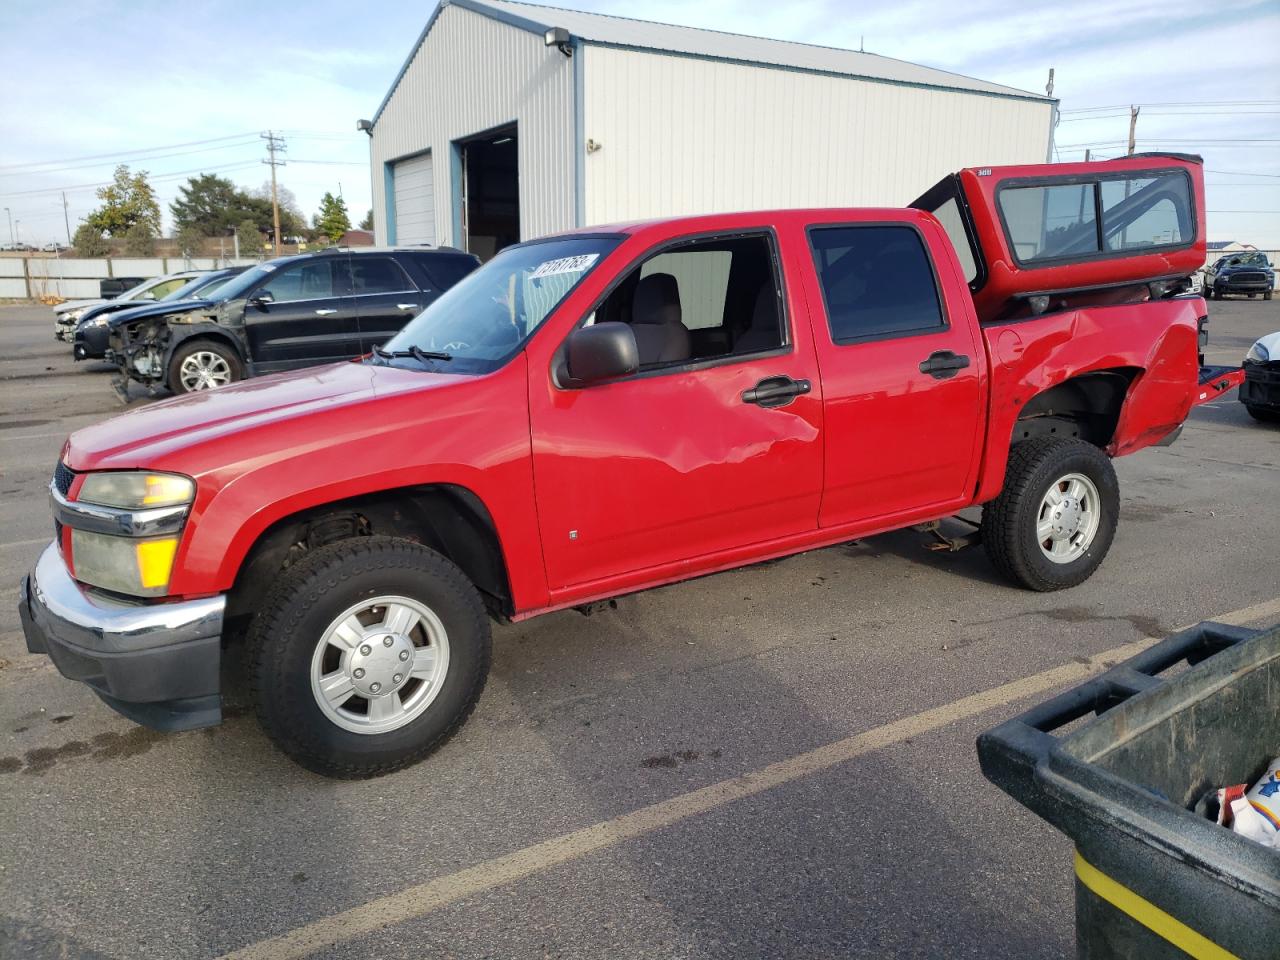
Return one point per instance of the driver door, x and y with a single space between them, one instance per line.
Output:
307 315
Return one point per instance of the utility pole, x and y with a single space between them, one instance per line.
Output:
275 145
66 221
1088 154
1133 126
8 214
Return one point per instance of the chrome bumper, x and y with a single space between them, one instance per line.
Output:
156 663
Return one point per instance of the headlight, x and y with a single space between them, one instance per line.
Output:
139 568
73 315
1258 353
96 322
137 491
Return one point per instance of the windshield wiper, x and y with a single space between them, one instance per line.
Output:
416 352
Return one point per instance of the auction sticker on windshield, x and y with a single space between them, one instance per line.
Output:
565 265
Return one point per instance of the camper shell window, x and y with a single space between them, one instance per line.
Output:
1080 218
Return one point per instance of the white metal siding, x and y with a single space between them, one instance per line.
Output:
680 135
414 200
471 74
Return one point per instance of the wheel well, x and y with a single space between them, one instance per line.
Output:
449 519
1087 406
176 345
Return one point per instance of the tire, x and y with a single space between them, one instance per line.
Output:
219 359
1262 414
1217 294
1010 521
292 658
1266 294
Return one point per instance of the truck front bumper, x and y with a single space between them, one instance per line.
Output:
156 663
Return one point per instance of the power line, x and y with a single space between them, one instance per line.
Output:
122 154
1242 173
157 178
159 156
1180 103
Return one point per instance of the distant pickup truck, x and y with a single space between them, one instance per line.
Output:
620 407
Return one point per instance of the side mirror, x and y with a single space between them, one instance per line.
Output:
262 298
602 351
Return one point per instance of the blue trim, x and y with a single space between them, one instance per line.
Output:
389 200
455 192
579 135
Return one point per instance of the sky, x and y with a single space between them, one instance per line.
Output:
92 83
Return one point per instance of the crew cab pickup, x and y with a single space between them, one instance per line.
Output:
619 407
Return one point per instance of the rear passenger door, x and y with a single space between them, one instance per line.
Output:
902 373
303 315
386 299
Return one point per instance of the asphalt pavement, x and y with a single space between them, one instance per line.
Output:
772 762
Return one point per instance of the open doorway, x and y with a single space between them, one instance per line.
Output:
490 192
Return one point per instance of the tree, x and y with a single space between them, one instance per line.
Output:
250 238
139 241
89 242
211 204
129 199
292 221
332 221
367 222
190 239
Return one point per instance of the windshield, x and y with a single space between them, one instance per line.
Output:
143 287
486 317
186 290
239 286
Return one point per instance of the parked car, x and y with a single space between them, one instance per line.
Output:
67 314
1260 392
612 409
287 313
93 330
1245 273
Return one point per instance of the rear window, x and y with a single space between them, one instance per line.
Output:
1060 221
877 282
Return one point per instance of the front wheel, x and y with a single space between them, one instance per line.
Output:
1263 414
1053 523
203 365
1266 294
367 655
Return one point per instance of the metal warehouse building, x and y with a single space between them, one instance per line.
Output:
510 121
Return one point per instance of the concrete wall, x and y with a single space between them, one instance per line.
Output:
681 135
472 74
73 278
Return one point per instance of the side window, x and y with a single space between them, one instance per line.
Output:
949 216
377 275
162 290
1049 222
877 281
701 301
309 280
1148 212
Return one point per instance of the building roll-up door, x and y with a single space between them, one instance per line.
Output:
414 200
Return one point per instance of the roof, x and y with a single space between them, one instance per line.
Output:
628 33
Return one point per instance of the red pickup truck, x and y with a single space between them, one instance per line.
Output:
619 407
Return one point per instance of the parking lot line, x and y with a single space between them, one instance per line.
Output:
433 895
24 543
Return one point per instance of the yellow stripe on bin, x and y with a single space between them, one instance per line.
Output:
1149 915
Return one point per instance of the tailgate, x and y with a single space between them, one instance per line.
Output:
1215 381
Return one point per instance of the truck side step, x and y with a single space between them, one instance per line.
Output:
950 544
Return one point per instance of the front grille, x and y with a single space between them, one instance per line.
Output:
63 477
1250 276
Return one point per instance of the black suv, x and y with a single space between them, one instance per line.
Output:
283 314
1248 273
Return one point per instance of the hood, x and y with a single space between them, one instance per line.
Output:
70 305
1236 267
158 309
1269 345
195 432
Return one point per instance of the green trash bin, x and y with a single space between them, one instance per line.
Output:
1154 879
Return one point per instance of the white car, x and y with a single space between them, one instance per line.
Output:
1260 392
67 315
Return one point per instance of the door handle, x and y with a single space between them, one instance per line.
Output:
324 313
406 306
943 364
776 391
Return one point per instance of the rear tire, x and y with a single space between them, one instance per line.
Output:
1262 414
1054 521
203 365
326 651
